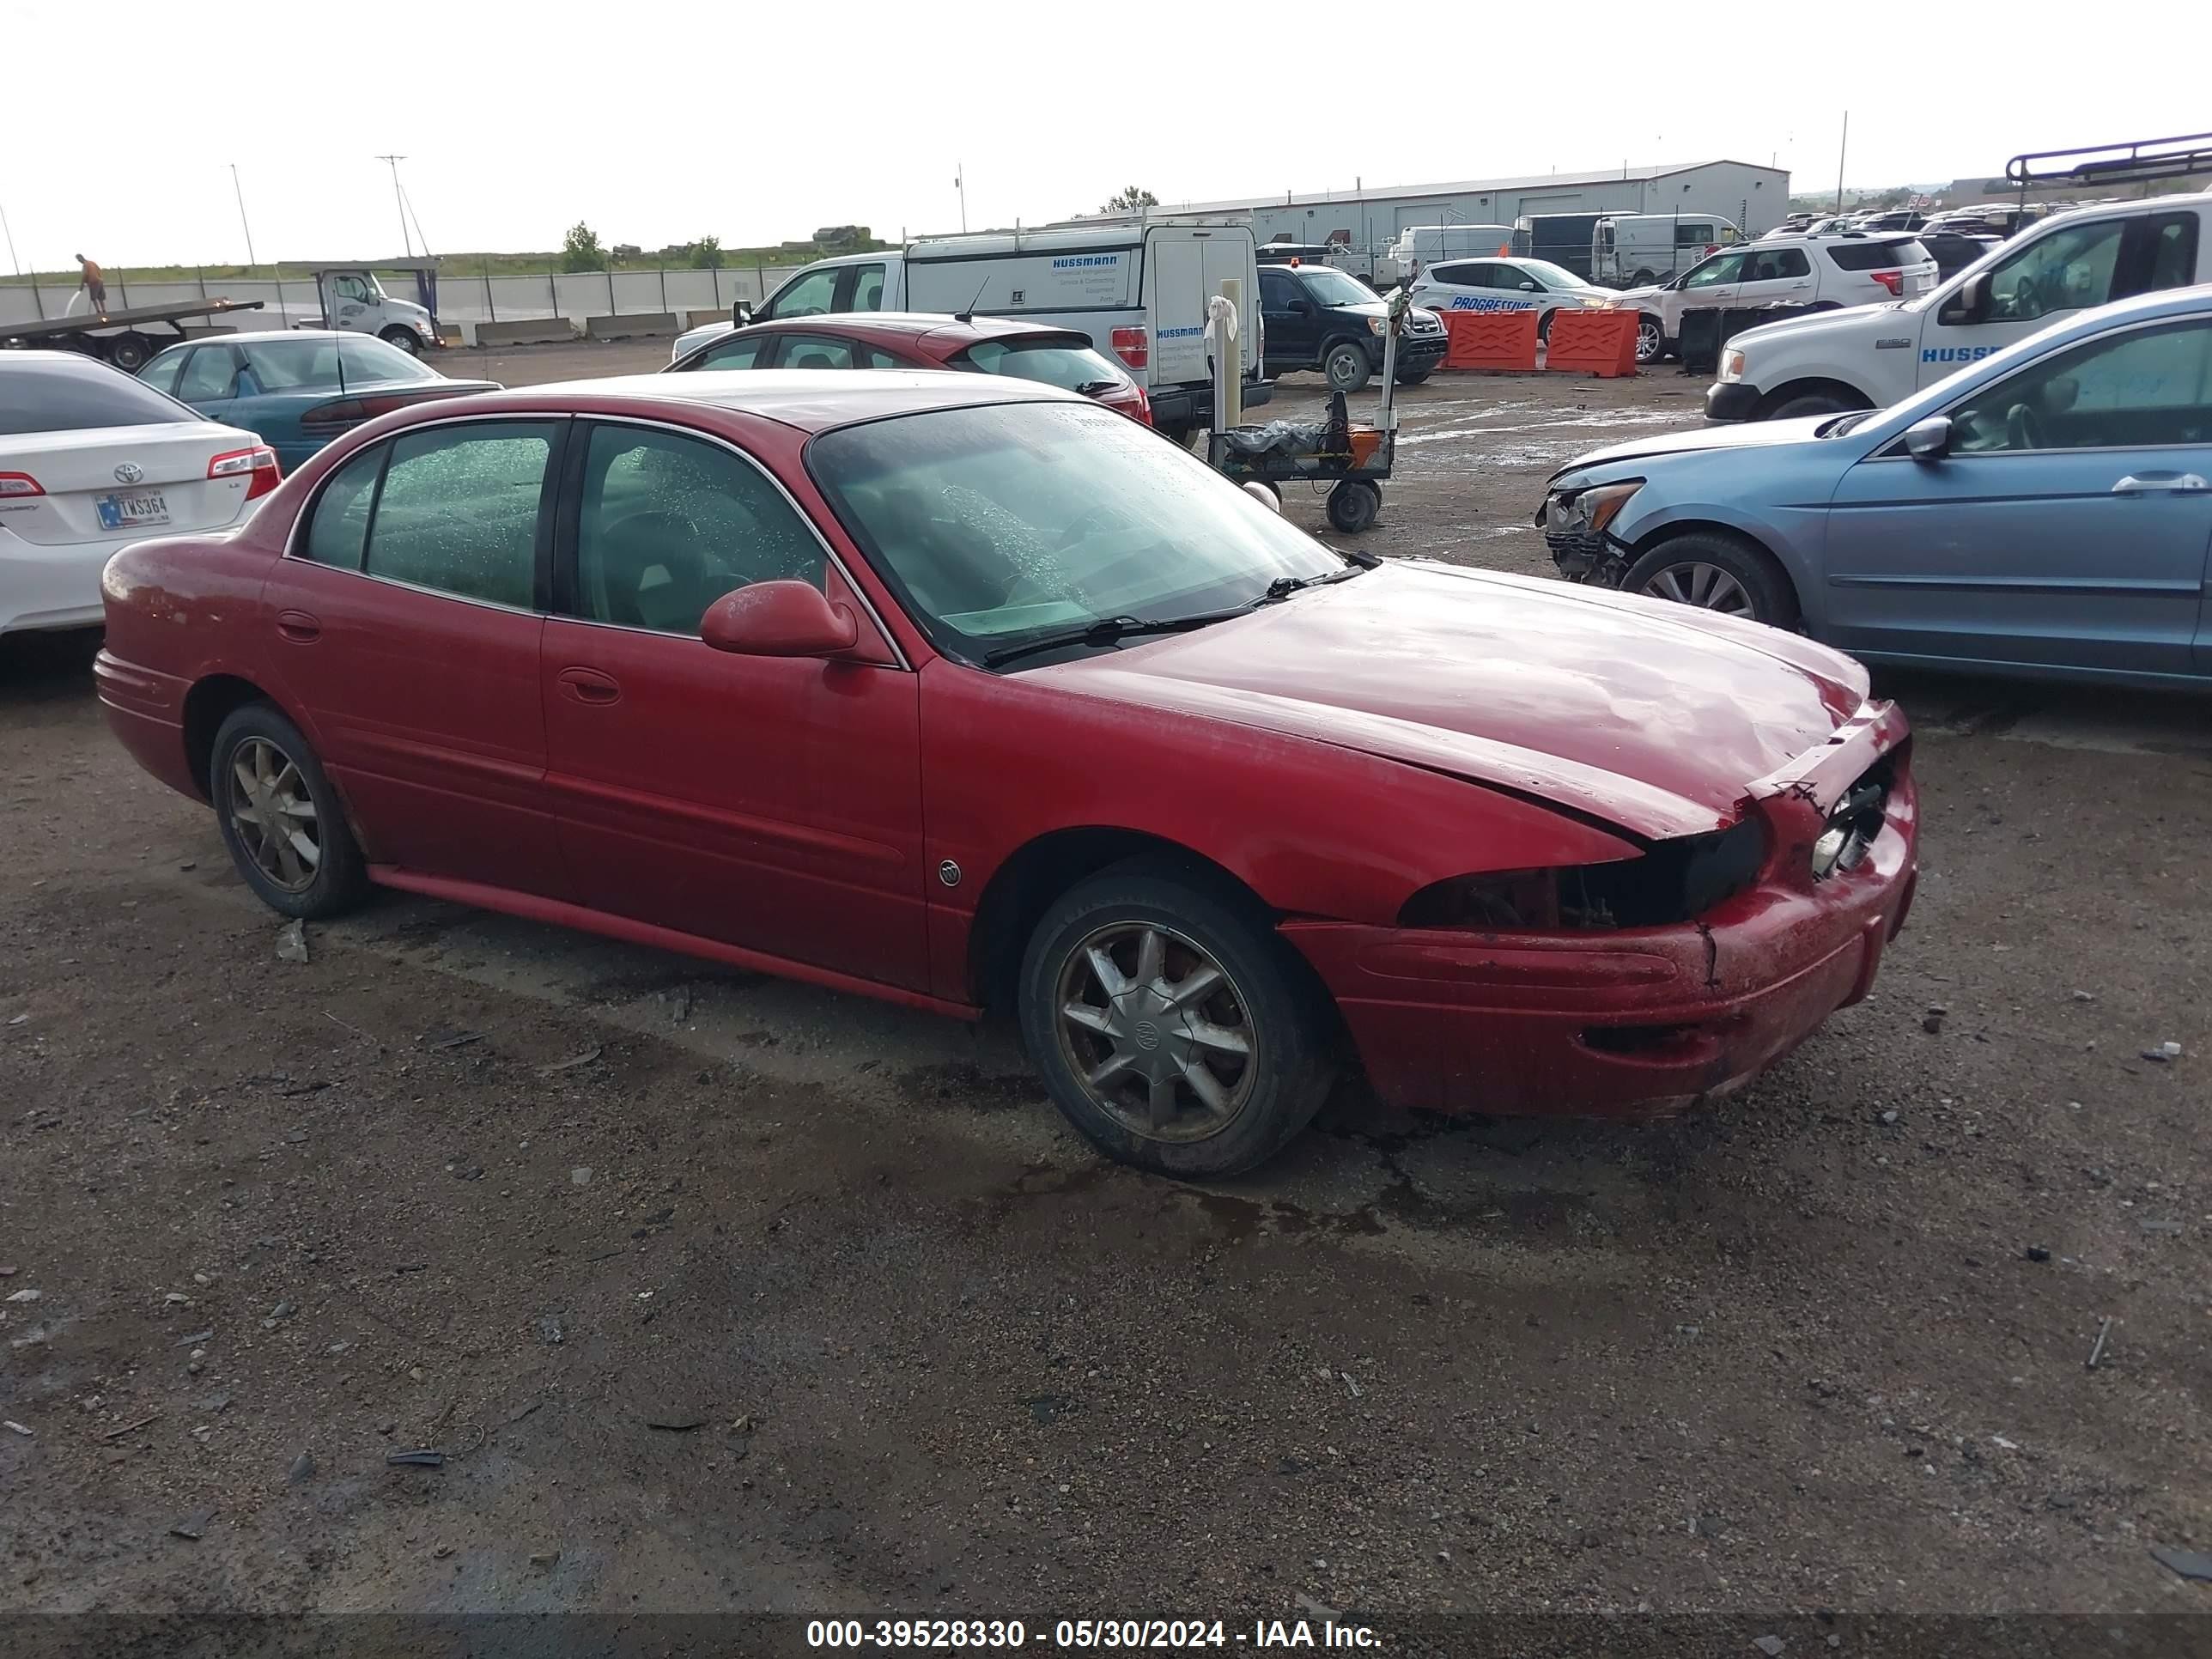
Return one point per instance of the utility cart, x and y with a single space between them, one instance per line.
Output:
1352 460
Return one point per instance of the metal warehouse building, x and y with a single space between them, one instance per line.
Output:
1755 197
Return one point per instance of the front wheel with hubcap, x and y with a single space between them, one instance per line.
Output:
280 818
403 338
1716 573
1651 340
1173 1028
1812 402
1346 367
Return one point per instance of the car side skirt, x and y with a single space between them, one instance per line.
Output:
532 907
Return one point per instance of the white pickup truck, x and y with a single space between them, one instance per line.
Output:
1871 356
352 299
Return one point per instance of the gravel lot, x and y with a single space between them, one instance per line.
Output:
722 1293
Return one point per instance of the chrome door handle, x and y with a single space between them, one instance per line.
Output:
2162 484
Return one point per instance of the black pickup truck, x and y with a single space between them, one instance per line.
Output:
1317 317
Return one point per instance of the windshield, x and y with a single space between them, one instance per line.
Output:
1017 520
1333 288
1549 275
313 364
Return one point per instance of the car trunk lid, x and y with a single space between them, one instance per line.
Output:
121 482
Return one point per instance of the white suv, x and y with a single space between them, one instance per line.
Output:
1829 272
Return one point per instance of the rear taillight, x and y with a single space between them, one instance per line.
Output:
20 483
259 463
1143 407
1892 280
1133 346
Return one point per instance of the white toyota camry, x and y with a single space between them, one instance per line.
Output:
92 460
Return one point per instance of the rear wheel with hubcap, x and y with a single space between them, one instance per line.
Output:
1716 572
280 818
1173 1029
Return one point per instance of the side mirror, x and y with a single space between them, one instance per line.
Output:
1928 439
741 312
1528 288
1970 303
1260 493
779 619
1302 307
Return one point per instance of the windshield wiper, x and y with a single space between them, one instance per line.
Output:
1105 631
1283 586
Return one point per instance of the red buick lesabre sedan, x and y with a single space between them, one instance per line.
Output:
968 692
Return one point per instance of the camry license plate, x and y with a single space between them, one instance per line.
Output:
129 512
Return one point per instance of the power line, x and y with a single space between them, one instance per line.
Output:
394 161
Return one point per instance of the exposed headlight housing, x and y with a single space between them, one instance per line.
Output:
1588 511
1377 325
1671 881
1732 366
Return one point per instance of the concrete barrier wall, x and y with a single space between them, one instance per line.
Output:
534 331
462 298
636 325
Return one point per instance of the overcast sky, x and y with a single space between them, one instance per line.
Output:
659 122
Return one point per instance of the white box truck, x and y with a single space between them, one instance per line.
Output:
1138 290
1635 250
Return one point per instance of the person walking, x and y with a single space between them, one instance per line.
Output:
95 286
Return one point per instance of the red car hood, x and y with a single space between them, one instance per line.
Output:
1653 716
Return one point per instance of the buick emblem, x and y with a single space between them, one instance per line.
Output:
949 873
127 473
1147 1036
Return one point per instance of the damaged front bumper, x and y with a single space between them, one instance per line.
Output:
1639 1022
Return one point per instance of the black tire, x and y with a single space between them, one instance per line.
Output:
1543 328
1178 433
128 352
1650 339
1346 367
1416 376
1290 1060
1353 505
339 879
1643 279
403 338
1763 582
1813 403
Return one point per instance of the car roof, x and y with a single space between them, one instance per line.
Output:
810 400
264 336
913 324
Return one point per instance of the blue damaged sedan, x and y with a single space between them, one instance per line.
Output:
2046 512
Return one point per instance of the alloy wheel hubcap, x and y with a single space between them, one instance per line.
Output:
1706 585
1647 342
274 815
1156 1031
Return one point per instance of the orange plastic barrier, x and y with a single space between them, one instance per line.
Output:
1493 339
1601 343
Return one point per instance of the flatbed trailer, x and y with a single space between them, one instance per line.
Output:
118 337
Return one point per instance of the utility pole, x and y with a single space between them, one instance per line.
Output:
400 202
239 190
960 184
1843 149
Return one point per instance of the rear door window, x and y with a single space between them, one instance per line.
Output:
459 510
2158 253
866 293
828 351
337 535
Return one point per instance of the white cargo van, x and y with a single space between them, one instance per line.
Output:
1633 250
1138 291
1871 356
1423 245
